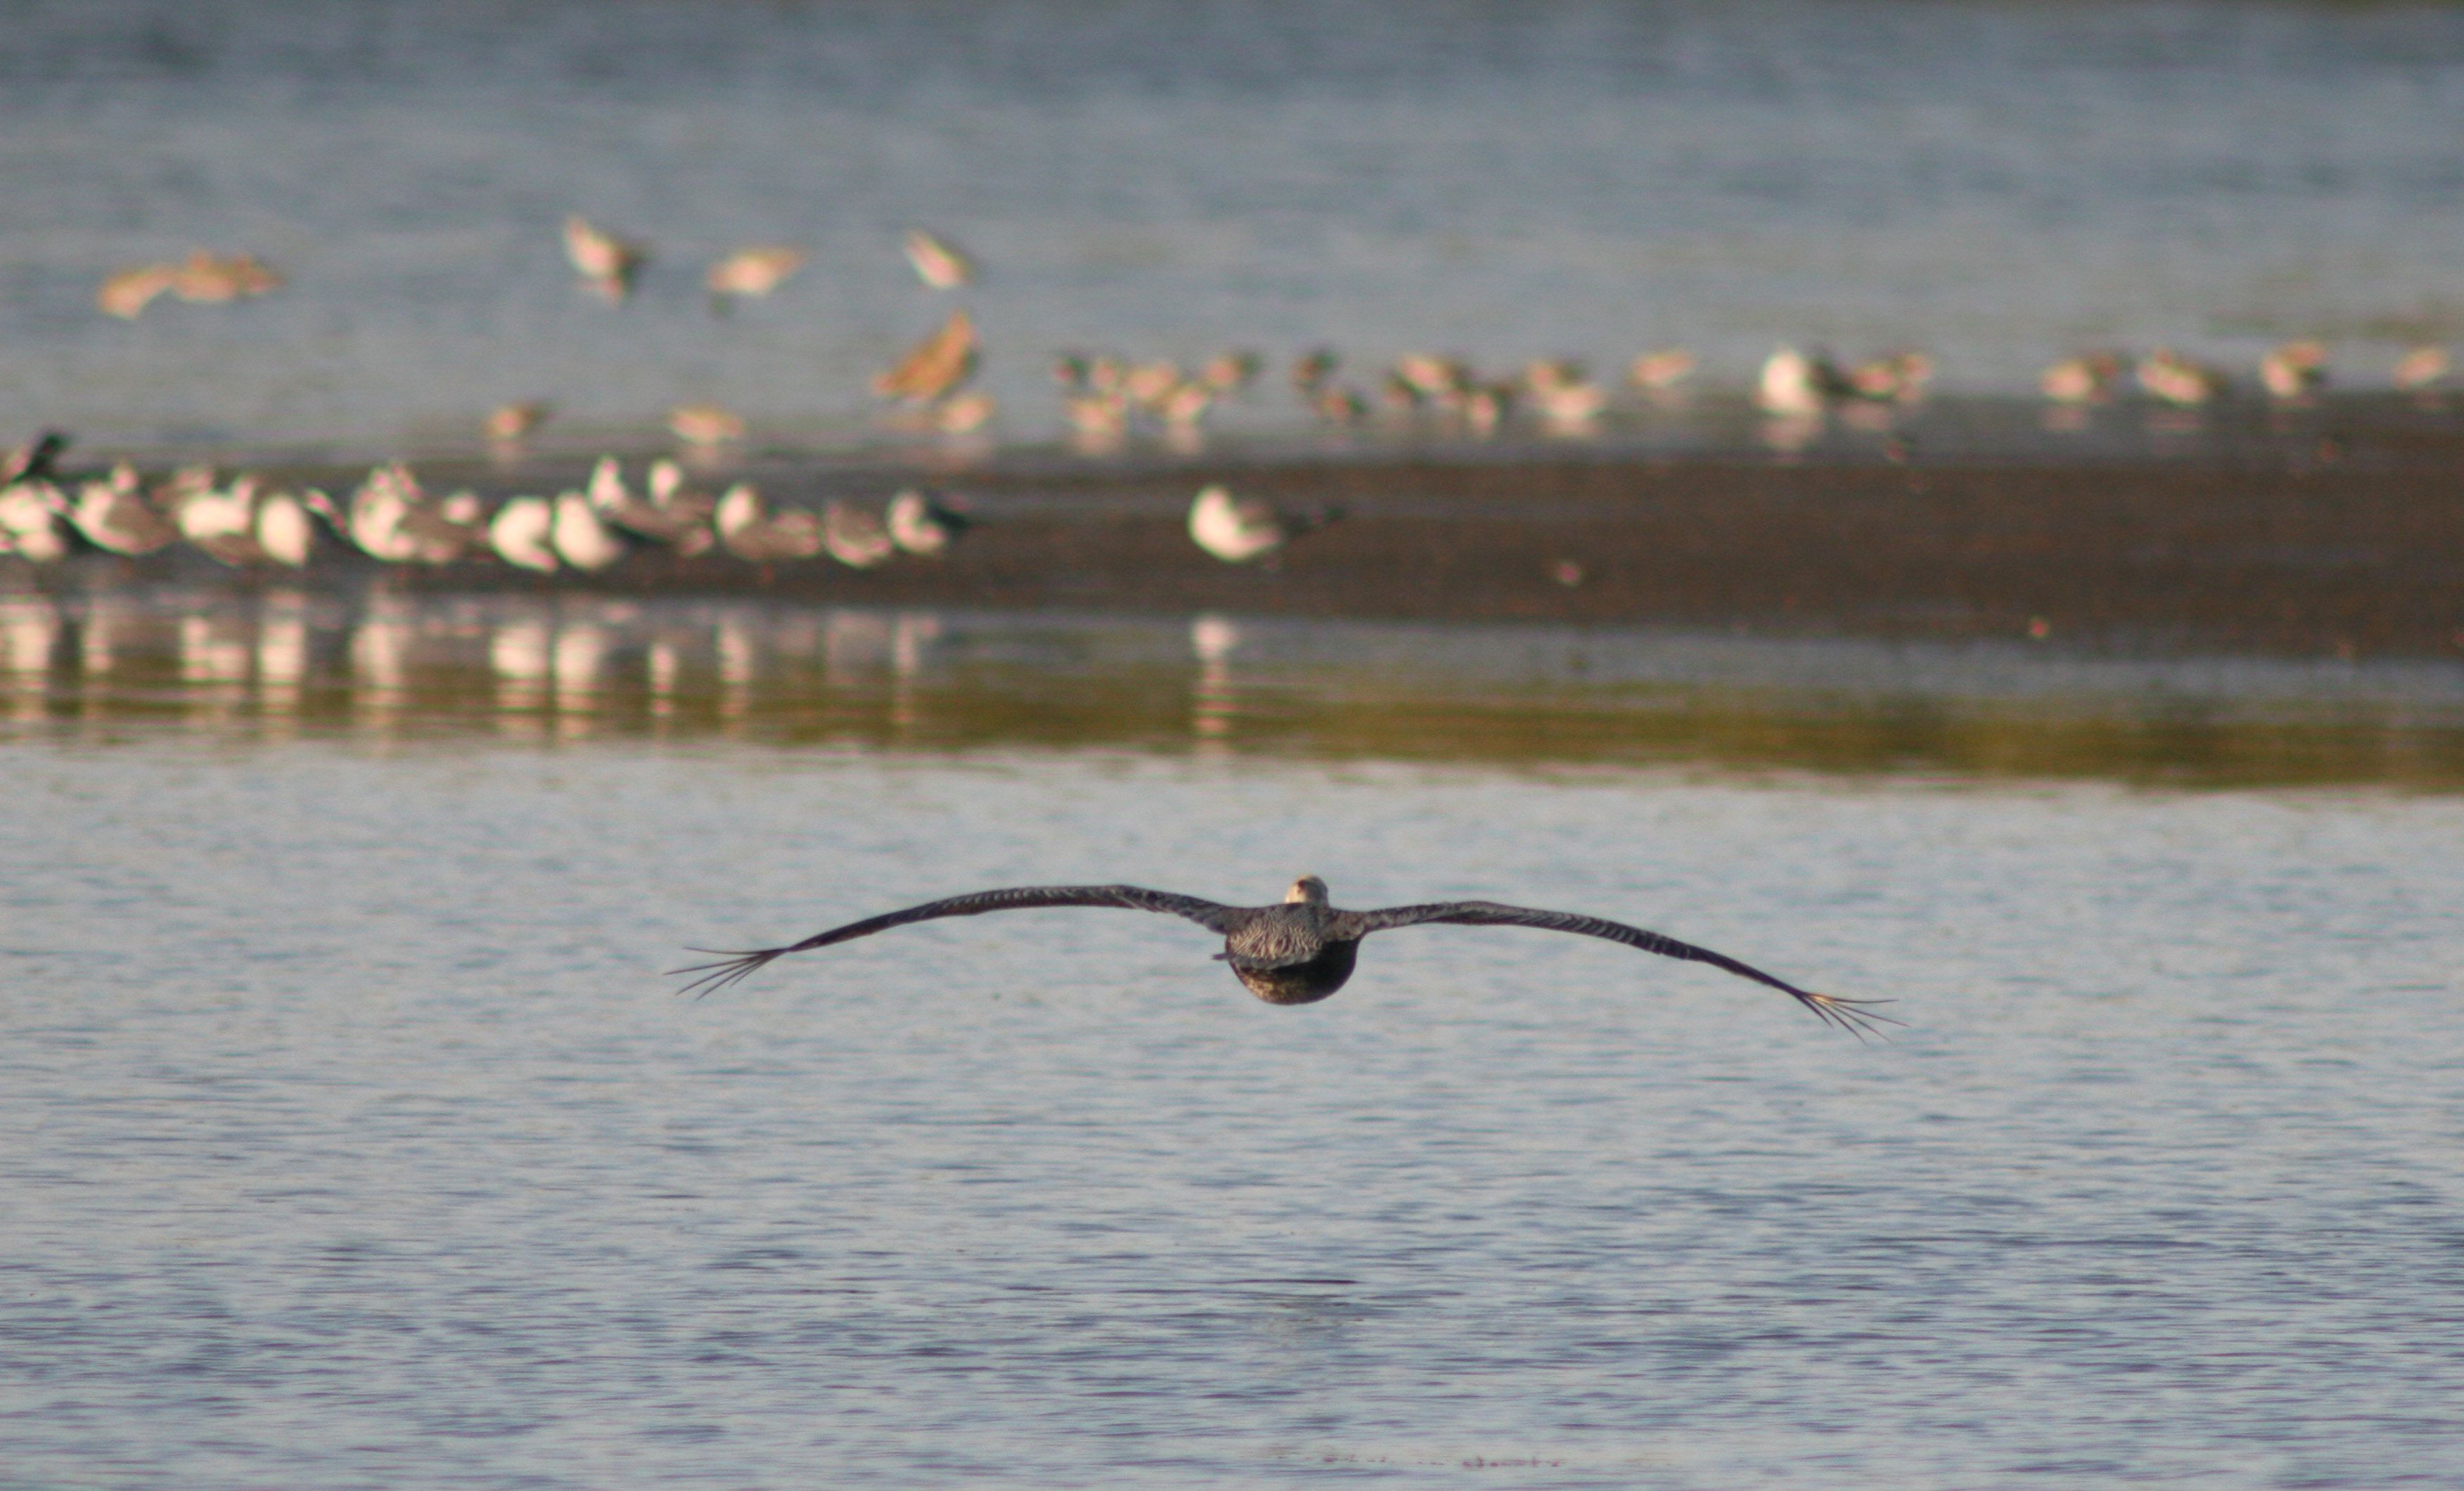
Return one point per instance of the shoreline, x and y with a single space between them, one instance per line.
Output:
2331 531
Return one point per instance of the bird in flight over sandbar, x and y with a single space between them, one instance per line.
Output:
1295 953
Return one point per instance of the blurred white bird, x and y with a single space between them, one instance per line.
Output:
920 525
605 262
521 533
936 263
855 537
753 272
580 537
1236 530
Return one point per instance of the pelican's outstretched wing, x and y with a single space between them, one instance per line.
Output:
1854 1016
1212 915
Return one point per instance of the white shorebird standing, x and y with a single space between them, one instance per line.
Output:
606 263
29 522
661 519
921 525
2166 375
1796 384
705 424
1298 951
509 424
2293 371
522 534
1236 530
1230 372
284 532
2088 378
581 538
1895 378
113 515
2422 369
963 414
749 531
1563 395
855 537
1661 371
220 520
390 519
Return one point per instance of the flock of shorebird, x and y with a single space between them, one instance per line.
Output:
47 514
1106 399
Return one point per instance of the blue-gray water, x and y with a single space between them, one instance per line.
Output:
1999 184
350 1138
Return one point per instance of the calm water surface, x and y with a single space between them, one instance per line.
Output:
2000 184
349 1136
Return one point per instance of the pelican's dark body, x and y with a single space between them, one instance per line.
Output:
1302 983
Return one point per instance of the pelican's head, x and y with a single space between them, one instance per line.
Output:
1309 889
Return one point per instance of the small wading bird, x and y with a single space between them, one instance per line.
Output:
1297 953
605 262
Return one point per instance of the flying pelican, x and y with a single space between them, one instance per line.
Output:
1297 953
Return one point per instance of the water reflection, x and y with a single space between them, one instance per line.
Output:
550 669
1212 639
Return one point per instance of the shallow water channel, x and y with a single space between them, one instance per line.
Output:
349 1134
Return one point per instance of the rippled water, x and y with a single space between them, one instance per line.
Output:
380 665
1998 183
351 1136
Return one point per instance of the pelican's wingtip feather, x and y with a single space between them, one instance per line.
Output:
732 965
1856 1016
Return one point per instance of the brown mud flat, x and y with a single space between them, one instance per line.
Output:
2139 557
2286 556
